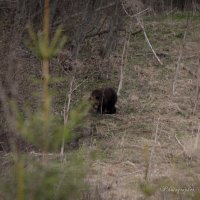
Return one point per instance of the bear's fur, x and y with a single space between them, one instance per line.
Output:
103 100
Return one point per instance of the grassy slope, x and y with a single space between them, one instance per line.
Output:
148 110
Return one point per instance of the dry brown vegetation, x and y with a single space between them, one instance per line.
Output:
150 148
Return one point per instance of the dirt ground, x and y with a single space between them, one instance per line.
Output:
154 135
150 148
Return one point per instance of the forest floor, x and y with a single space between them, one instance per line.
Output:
151 145
150 148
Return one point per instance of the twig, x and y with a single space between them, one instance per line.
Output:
66 110
139 147
74 89
197 139
148 42
80 13
137 16
129 163
190 71
4 104
67 106
46 154
107 31
129 174
141 12
124 57
121 68
183 148
152 150
197 90
179 58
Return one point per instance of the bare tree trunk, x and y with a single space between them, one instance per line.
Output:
82 30
111 39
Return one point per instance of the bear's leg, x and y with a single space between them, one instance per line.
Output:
111 110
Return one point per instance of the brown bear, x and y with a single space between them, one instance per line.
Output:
103 100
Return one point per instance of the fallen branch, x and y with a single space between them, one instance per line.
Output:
148 42
183 148
107 31
137 16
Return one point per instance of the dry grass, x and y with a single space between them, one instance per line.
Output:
147 102
146 109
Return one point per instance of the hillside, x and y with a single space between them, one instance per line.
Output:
149 149
154 132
